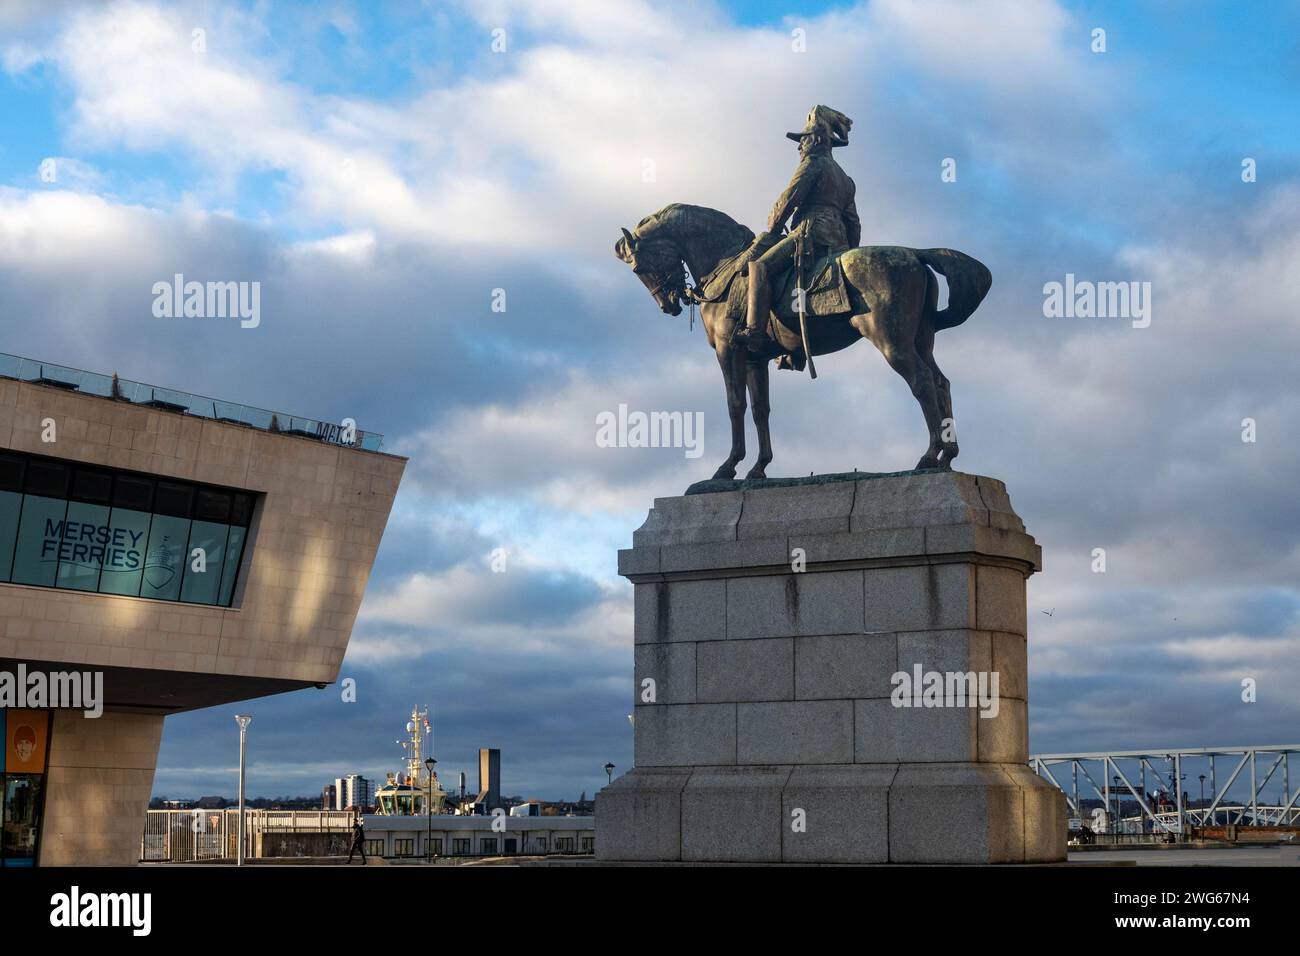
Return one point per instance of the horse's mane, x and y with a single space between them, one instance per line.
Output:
695 219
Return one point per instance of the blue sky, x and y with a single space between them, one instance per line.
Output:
381 170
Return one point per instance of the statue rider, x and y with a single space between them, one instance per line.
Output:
825 218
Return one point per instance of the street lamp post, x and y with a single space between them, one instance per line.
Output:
609 772
244 720
428 838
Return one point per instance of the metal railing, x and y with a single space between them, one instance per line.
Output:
168 399
197 835
1158 783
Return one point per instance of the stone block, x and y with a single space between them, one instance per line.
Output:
811 509
685 735
949 539
720 555
1046 813
918 597
1000 599
1004 737
813 602
955 813
690 519
757 670
950 650
638 816
733 815
884 733
1011 662
859 545
845 814
906 501
795 732
638 561
680 611
844 666
672 668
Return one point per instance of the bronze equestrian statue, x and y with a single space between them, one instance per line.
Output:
841 292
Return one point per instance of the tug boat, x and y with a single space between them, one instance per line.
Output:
408 793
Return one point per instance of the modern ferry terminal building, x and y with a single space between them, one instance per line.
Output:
193 552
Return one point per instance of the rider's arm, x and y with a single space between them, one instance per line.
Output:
852 225
800 185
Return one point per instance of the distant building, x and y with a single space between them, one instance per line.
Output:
489 781
353 790
329 797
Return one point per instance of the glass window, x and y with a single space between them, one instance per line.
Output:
26 741
11 505
85 534
134 493
488 845
234 556
40 540
89 528
174 500
202 587
124 555
96 486
11 473
211 505
22 801
163 557
47 478
241 509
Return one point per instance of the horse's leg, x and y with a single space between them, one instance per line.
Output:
757 379
906 362
943 390
886 328
731 360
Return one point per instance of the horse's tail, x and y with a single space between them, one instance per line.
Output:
968 282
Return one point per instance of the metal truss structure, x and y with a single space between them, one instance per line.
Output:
1139 775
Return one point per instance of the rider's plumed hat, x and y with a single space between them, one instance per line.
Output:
834 124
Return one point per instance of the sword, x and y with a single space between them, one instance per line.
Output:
803 300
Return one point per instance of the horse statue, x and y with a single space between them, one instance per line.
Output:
887 295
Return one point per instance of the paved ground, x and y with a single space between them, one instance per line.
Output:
1226 856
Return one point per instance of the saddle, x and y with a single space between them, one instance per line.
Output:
825 293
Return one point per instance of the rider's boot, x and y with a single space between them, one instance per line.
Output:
754 334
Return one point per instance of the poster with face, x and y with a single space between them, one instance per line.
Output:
25 738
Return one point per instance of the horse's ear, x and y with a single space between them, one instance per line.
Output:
631 240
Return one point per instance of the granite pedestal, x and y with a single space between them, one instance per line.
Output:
770 622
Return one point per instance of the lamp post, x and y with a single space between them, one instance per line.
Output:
428 838
609 772
243 720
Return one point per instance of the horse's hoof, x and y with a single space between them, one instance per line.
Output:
927 463
756 473
724 474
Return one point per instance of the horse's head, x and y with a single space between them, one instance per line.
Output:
657 262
